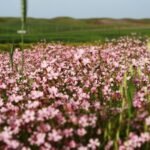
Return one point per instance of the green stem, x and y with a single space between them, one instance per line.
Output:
119 125
146 130
22 43
109 130
11 56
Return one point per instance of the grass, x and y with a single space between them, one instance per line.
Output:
69 30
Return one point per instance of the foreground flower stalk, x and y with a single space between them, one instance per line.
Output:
23 23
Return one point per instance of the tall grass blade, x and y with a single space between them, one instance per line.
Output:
11 54
24 13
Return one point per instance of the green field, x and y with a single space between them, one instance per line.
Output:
71 30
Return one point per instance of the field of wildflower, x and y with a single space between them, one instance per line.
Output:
76 98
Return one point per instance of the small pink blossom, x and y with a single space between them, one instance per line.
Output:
83 148
81 132
40 138
1 102
3 86
36 94
94 144
44 64
72 144
53 90
54 136
16 98
147 121
28 116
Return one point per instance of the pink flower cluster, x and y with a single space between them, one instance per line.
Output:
135 141
67 95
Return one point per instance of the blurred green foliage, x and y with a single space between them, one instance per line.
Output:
69 30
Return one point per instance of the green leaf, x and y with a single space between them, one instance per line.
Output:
131 89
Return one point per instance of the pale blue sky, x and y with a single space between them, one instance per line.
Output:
79 8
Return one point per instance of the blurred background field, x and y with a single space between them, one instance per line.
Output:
70 30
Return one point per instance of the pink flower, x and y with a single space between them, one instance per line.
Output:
138 100
53 90
43 127
116 65
25 148
72 144
13 144
94 144
68 132
46 146
44 64
83 121
147 121
81 132
86 61
40 138
37 138
79 54
36 94
145 137
97 105
54 136
33 104
6 135
1 102
28 116
16 98
3 86
83 148
109 145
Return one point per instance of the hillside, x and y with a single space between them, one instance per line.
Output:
67 29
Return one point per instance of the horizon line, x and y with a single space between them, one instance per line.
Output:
115 18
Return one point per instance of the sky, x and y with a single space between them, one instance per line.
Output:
78 8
